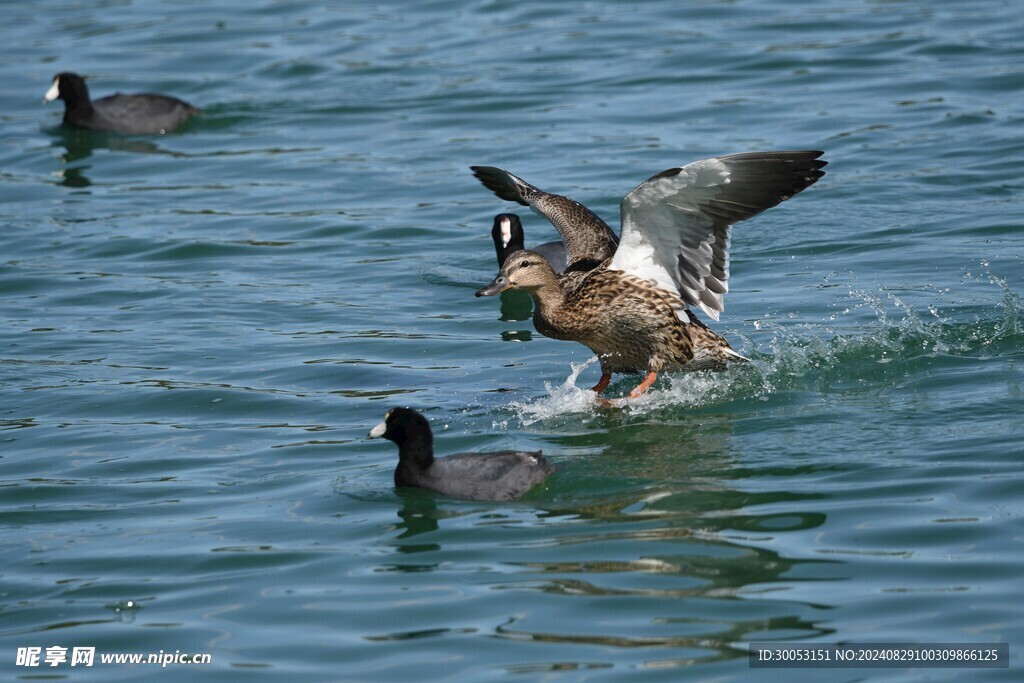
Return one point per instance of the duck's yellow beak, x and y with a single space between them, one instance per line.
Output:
497 286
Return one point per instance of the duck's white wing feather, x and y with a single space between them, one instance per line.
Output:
676 225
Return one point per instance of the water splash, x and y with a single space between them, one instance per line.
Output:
561 399
875 339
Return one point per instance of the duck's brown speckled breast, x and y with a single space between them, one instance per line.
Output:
628 322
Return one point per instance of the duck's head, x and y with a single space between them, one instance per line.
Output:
523 269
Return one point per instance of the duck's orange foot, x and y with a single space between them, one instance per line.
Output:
636 393
602 384
645 385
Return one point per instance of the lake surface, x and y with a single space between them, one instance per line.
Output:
199 329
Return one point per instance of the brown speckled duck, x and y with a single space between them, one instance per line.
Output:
630 299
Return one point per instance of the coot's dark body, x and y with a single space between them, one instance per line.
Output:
502 475
139 114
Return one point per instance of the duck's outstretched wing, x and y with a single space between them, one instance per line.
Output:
675 225
588 239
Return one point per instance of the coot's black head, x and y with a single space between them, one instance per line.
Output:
69 87
409 430
507 234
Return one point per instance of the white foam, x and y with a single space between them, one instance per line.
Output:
846 349
685 389
566 398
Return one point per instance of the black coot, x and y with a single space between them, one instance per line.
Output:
502 475
141 114
509 237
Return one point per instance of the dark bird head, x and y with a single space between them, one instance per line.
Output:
507 234
403 425
69 87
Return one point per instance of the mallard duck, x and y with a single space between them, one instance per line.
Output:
631 301
501 475
509 237
141 114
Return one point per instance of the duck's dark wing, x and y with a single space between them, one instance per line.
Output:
586 237
676 225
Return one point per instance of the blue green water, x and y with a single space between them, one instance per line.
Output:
199 329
